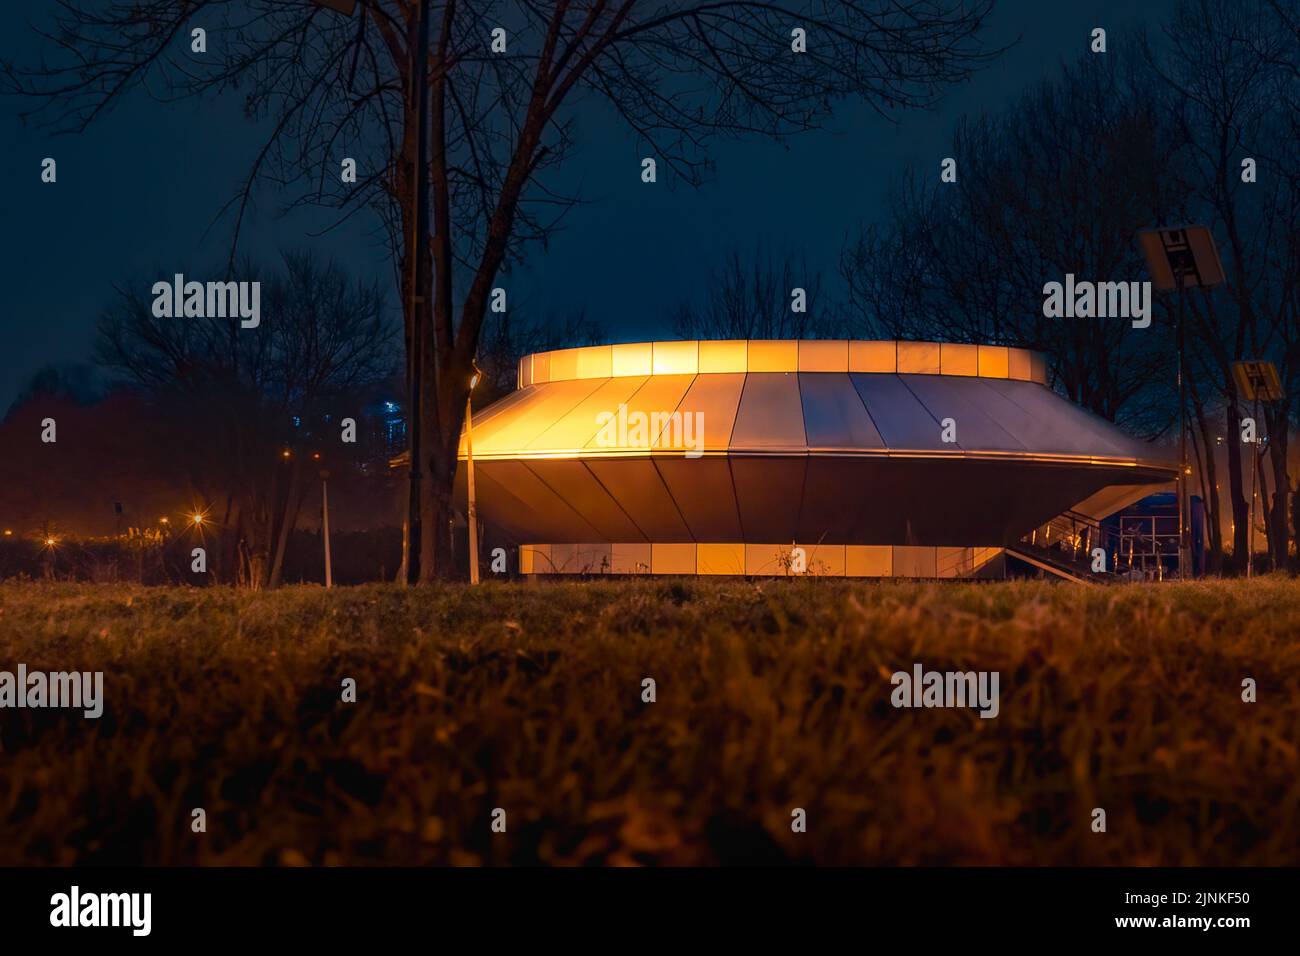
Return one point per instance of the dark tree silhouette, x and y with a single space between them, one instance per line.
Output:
225 403
751 297
1060 183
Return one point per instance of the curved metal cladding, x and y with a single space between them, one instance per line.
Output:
869 443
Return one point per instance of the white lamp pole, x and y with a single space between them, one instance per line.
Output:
470 515
325 526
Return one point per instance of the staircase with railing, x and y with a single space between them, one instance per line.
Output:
1139 546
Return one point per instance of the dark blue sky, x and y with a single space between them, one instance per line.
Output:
136 193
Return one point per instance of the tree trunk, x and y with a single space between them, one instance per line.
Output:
1280 536
288 521
1236 496
1207 470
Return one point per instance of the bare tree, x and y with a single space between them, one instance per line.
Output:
243 413
755 299
674 72
509 336
1058 184
1230 78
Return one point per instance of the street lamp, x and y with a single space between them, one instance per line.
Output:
471 517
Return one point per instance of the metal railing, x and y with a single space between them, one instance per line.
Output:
1141 543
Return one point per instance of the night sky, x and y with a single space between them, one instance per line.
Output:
136 193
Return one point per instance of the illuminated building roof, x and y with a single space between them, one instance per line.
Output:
868 443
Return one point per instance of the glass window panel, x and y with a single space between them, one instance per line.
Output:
823 356
721 558
824 560
723 356
541 368
595 361
873 357
781 355
676 358
766 559
994 361
868 561
630 558
958 359
633 359
918 358
672 558
1018 365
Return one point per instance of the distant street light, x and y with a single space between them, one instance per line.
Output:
197 519
471 517
1180 258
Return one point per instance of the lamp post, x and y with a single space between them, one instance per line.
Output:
325 525
471 517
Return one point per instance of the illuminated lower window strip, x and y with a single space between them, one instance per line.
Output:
766 560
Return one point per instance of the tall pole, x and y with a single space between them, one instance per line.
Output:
1254 485
1183 556
418 249
470 509
325 526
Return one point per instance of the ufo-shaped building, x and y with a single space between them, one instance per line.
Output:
913 459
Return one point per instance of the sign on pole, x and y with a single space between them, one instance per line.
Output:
1258 381
1181 257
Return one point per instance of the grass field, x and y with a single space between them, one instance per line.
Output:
770 696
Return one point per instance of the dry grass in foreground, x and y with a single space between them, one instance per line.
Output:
771 696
